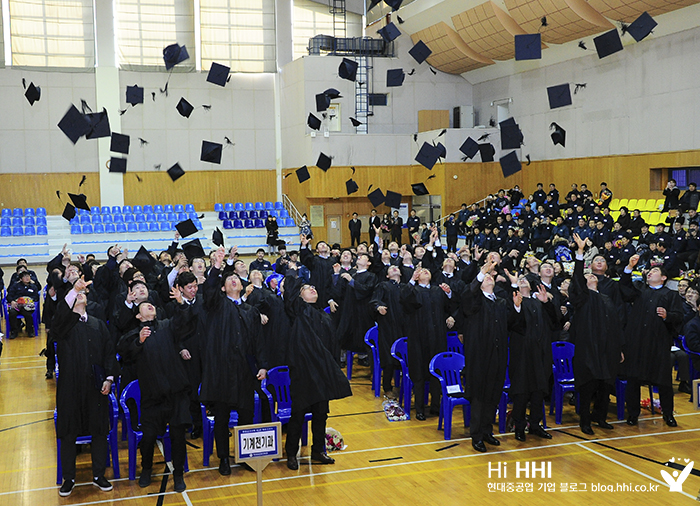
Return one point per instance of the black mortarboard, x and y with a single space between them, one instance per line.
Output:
99 125
68 212
420 51
559 135
559 95
324 162
511 136
120 143
74 124
218 74
510 164
303 174
351 186
184 108
313 122
33 94
117 164
193 249
217 237
211 152
376 197
608 43
186 228
641 27
347 69
332 93
174 54
470 148
419 189
394 77
442 149
528 47
134 95
322 102
176 172
394 4
487 151
143 261
428 155
355 122
79 201
392 199
389 32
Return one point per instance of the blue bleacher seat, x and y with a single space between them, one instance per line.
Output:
228 224
97 218
118 218
131 227
75 221
172 216
179 208
243 215
153 227
17 221
150 217
157 208
94 210
107 218
42 230
138 209
121 228
105 210
182 216
166 225
239 207
41 221
249 224
126 209
147 209
259 206
41 211
82 211
6 212
249 206
228 207
192 215
279 206
237 223
129 218
161 217
233 215
168 208
269 206
84 218
75 229
263 214
140 218
284 213
219 207
98 228
110 229
259 223
223 215
143 226
87 228
29 220
198 224
253 215
29 230
290 222
29 211
5 221
116 209
5 231
17 212
189 208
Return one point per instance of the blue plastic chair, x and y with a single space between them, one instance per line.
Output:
147 209
116 209
5 231
96 218
17 212
249 206
447 368
179 208
5 213
259 223
454 345
107 218
198 224
172 216
5 221
192 215
17 221
182 216
262 214
17 231
118 218
132 227
284 213
563 356
233 215
243 215
228 207
219 208
277 388
189 208
87 228
133 437
153 226
249 224
259 206
128 218
29 211
29 230
228 224
399 350
237 224
269 206
112 440
223 215
75 229
151 217
161 216
239 207
29 220
121 228
94 210
41 220
41 211
273 213
279 206
253 215
138 209
105 210
290 222
140 218
158 208
84 219
166 225
372 340
42 230
109 228
143 227
694 374
168 208
126 210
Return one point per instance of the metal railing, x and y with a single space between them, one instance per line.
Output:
291 209
445 216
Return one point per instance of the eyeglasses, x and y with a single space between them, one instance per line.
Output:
308 287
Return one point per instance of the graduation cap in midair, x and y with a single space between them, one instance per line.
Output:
510 164
419 189
143 260
559 135
528 47
469 147
79 201
74 124
175 172
174 54
351 186
68 212
313 122
217 237
211 152
303 174
120 143
332 93
32 94
487 152
641 27
355 122
193 249
347 69
186 228
559 96
322 102
134 95
389 32
394 4
395 77
392 199
324 162
117 164
376 197
218 74
420 51
428 155
184 108
99 125
608 43
511 136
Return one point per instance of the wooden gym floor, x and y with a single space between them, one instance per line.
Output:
384 463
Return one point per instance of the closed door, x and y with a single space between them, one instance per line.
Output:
335 234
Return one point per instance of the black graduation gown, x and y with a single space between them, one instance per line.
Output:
426 311
390 325
648 338
82 409
313 352
530 362
192 339
275 333
457 285
356 317
596 332
321 272
232 351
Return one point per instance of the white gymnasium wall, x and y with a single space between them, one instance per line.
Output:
640 100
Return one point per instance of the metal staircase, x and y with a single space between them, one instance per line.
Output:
363 83
337 9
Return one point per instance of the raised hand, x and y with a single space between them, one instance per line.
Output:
517 299
336 268
634 259
446 288
176 294
512 277
580 243
450 322
80 285
303 240
143 335
333 305
248 290
542 297
382 310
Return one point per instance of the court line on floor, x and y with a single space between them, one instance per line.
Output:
33 361
23 368
374 468
23 356
28 413
629 468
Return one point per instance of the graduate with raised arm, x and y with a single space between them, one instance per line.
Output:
320 266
